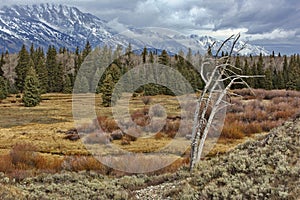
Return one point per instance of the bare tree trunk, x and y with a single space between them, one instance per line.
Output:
213 95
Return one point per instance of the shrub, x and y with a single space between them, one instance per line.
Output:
125 141
111 125
80 163
146 100
232 131
105 123
23 156
53 164
253 127
158 136
6 165
172 126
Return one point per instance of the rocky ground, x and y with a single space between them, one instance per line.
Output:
267 168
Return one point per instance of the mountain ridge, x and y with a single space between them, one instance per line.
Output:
67 26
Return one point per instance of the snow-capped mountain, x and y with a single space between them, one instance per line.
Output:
64 26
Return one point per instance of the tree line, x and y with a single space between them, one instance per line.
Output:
33 72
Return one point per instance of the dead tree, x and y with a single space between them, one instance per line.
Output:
219 76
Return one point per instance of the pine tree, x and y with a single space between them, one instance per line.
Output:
164 58
67 86
268 82
77 61
151 59
41 70
144 54
285 70
87 49
189 55
82 86
2 62
129 49
3 88
58 78
22 68
107 89
54 70
32 52
293 75
31 95
260 83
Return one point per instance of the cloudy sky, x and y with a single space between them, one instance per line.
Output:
274 24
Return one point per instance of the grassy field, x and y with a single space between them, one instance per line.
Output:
42 127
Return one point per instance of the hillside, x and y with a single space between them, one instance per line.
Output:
267 168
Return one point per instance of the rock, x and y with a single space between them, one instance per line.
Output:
117 135
72 137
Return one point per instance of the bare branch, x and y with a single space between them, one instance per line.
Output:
234 43
220 48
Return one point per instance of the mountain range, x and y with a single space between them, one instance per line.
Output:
64 26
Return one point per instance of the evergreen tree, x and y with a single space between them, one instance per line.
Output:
32 52
41 70
22 68
117 52
77 61
128 52
293 75
285 70
107 89
31 95
3 88
67 86
164 58
144 54
52 68
268 82
189 55
278 82
260 83
58 78
151 59
87 49
2 62
83 85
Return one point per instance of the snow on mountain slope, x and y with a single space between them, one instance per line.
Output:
58 25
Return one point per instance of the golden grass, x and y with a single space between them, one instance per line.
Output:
40 127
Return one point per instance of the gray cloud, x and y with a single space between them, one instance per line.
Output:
267 21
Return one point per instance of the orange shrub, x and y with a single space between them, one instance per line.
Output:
80 163
158 136
250 128
283 114
268 125
232 131
49 164
111 125
6 164
171 126
23 156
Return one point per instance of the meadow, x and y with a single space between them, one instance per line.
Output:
33 140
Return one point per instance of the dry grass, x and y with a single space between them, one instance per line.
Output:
40 128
